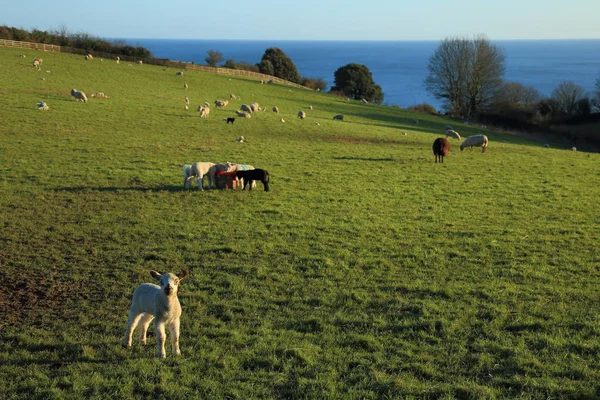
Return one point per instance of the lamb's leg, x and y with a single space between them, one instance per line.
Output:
134 318
159 328
174 331
199 182
143 324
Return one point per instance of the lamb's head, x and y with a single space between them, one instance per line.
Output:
169 282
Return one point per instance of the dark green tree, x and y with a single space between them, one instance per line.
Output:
356 82
274 62
213 58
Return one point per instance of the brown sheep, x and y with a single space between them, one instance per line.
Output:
441 147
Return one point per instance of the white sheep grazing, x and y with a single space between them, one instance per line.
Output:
89 57
573 148
275 109
187 100
118 59
233 97
186 107
43 106
185 86
221 103
179 73
301 114
310 107
37 62
316 123
453 133
204 111
254 107
246 108
158 303
199 170
339 117
243 114
79 96
140 62
240 139
475 141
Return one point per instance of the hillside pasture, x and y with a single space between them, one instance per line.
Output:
368 271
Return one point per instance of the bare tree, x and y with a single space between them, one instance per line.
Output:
516 93
567 96
213 58
465 73
596 99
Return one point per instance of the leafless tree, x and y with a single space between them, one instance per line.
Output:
516 93
465 73
567 96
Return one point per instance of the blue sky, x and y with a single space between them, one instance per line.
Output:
311 19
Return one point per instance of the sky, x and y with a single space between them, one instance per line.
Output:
311 19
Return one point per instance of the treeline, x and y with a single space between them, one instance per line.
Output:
62 37
467 76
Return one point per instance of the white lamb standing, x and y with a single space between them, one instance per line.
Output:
475 141
158 303
43 106
79 96
199 170
204 111
453 133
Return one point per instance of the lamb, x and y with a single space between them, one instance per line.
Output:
441 147
187 100
140 62
233 97
118 59
43 106
204 111
275 109
301 114
452 133
158 303
179 73
282 120
246 108
475 141
199 170
79 96
339 117
37 62
254 175
310 107
573 148
89 56
221 103
185 86
254 107
243 114
240 139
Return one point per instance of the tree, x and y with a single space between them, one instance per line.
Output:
465 73
596 99
567 96
516 93
356 82
274 62
213 58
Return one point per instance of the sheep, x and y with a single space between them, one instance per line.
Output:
453 133
99 95
187 100
43 106
275 109
199 170
573 148
448 127
240 139
301 114
221 103
186 107
441 147
316 123
140 62
179 73
206 104
270 81
204 111
118 59
79 96
233 97
546 145
310 107
246 108
254 107
243 114
364 101
185 86
89 56
160 303
37 62
475 141
339 117
282 120
253 175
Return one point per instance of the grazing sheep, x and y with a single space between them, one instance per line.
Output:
246 108
475 141
243 114
441 147
185 86
254 175
254 107
339 117
140 62
43 106
79 96
316 123
99 95
179 73
89 57
310 107
221 103
282 120
187 100
206 104
233 97
240 139
158 303
118 59
229 119
37 62
364 101
270 81
573 148
204 111
452 133
275 109
546 145
199 170
186 107
301 114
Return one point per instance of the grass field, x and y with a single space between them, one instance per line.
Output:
367 272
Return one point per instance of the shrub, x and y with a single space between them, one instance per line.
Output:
274 62
424 107
315 84
356 82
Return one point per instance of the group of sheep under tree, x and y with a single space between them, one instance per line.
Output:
441 146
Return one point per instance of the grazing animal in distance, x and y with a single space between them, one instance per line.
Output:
229 119
158 303
475 141
441 147
452 133
252 175
338 117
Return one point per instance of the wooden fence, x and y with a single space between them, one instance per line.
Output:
153 61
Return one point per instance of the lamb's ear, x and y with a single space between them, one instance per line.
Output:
155 275
182 274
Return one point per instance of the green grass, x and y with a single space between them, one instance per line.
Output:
368 271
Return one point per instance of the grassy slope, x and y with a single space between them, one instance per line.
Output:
367 272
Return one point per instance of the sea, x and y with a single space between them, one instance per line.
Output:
400 67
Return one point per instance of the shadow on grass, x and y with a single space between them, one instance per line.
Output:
160 188
363 158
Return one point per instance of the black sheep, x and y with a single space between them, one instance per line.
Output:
254 175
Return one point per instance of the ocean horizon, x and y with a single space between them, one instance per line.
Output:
400 67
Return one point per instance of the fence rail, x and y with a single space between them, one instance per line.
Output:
153 61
